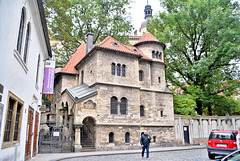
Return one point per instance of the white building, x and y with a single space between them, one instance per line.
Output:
24 45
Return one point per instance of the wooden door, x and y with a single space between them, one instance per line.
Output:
35 139
29 134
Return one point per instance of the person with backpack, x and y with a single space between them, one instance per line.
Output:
145 141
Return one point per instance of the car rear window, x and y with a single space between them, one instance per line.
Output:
222 136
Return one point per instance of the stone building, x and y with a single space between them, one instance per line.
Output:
108 94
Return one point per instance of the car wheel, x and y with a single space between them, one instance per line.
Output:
211 156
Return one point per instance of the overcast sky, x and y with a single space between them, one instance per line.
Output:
137 11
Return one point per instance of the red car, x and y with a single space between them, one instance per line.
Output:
221 142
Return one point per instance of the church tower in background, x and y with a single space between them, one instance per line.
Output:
148 15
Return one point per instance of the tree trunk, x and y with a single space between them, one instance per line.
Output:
209 110
199 107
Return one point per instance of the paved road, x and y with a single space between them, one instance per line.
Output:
183 155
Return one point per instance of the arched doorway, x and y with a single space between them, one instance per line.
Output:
88 133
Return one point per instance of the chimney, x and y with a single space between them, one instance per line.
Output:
89 41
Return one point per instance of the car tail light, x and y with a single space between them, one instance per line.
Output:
209 142
234 144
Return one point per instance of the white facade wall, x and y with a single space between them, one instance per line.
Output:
16 76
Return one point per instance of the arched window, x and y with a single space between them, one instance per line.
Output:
160 56
159 79
123 106
113 68
123 70
157 55
153 54
38 64
21 30
26 43
111 137
114 109
127 137
141 110
140 75
118 69
82 77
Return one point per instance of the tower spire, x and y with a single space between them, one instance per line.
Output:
148 11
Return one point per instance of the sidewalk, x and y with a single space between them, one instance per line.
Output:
62 156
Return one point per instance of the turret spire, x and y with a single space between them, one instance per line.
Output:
148 11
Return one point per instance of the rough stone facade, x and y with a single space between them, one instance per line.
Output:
93 122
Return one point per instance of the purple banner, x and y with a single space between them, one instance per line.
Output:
49 77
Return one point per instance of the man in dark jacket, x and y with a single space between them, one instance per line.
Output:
145 140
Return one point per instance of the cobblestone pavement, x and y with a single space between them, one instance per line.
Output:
183 155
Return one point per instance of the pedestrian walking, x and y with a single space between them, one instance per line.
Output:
145 141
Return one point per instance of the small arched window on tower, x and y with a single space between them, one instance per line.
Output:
157 54
153 54
123 70
141 110
140 75
113 68
160 55
111 137
127 137
21 30
123 106
118 69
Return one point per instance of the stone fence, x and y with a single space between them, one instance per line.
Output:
196 130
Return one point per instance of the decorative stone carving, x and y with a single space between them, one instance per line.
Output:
89 104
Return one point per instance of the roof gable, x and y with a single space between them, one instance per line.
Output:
77 56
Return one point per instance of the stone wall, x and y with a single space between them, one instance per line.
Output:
161 136
200 127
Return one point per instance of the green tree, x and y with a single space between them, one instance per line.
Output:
69 21
202 38
184 105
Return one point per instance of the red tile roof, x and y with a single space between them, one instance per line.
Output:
77 56
147 37
108 43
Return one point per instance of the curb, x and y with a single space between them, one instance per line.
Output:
132 152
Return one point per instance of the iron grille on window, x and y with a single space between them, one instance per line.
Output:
16 129
114 105
123 106
9 120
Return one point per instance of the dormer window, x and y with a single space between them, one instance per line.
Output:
135 50
115 44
